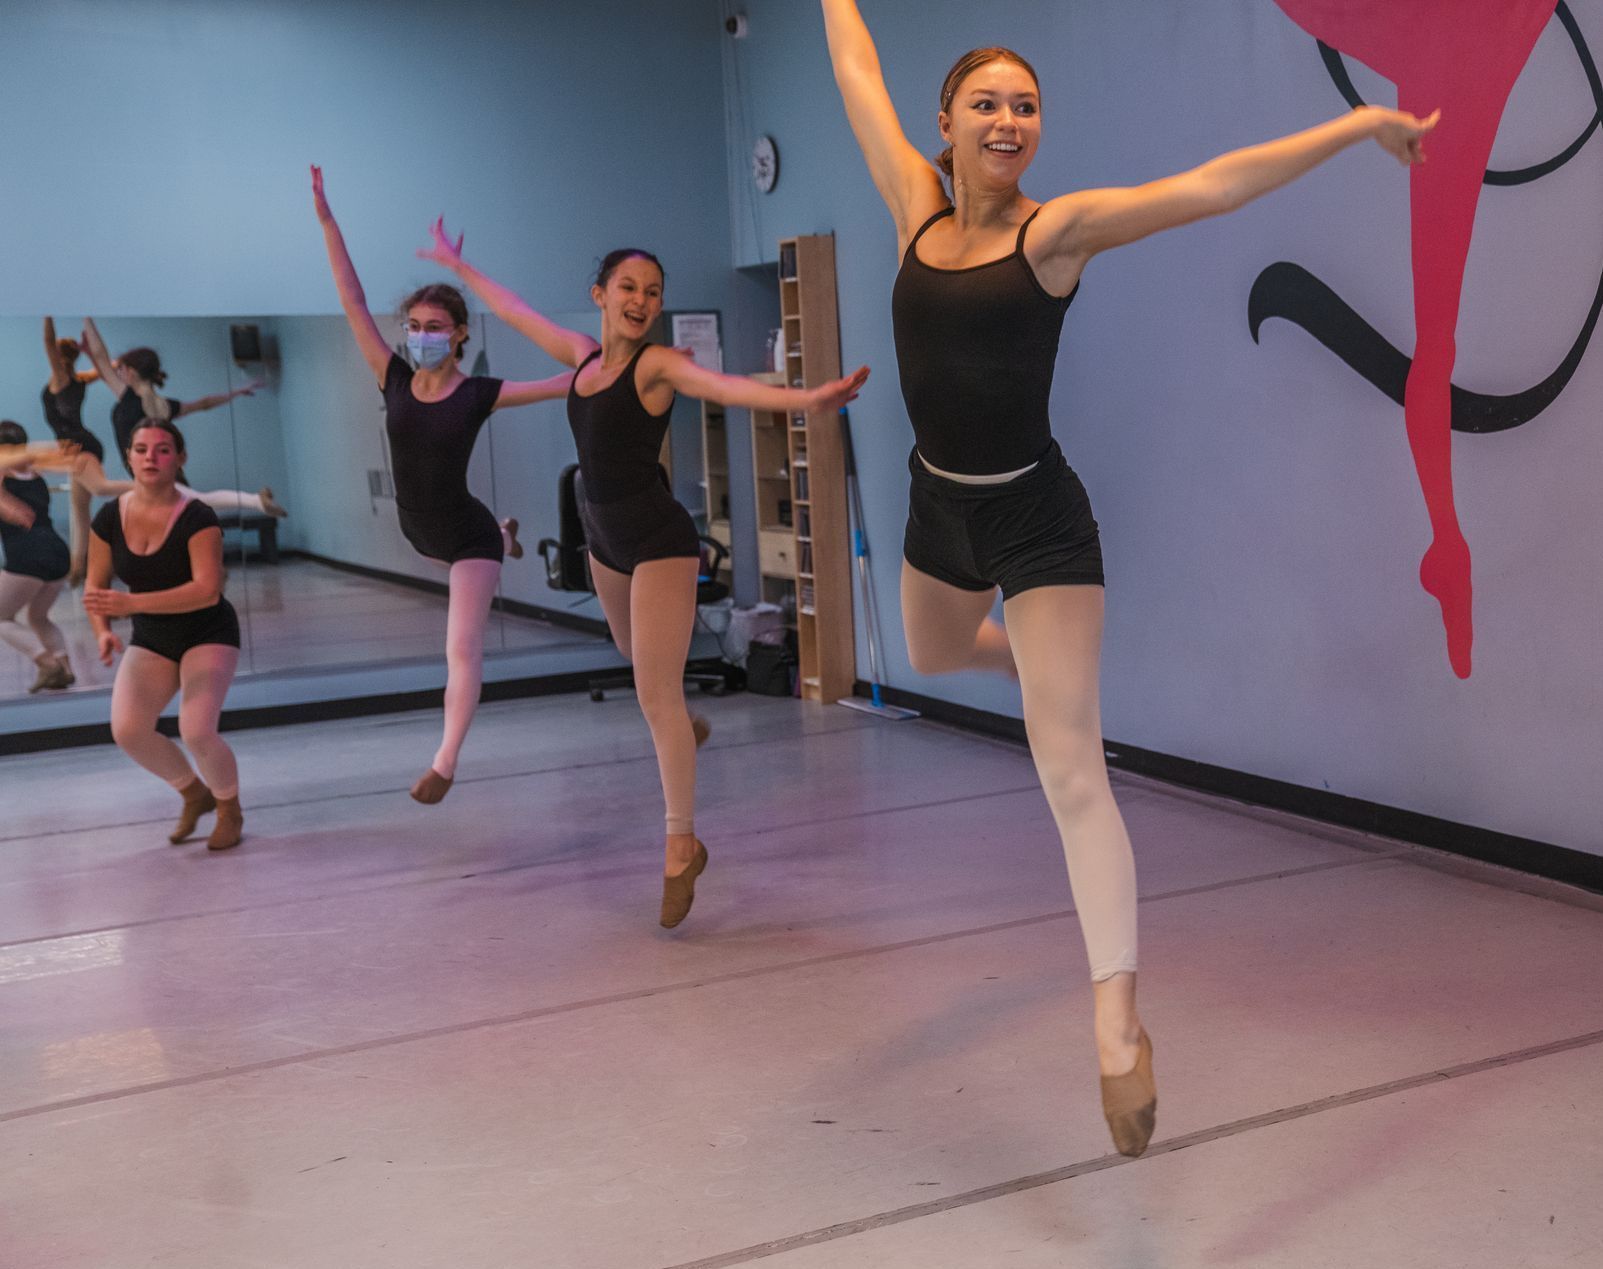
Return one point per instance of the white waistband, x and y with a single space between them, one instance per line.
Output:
1000 478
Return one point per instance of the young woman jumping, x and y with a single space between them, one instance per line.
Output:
433 414
987 275
644 551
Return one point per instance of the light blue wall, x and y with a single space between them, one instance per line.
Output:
1261 520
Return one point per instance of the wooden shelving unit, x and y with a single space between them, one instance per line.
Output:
715 481
813 550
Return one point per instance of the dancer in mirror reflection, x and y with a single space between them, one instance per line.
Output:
166 546
36 559
137 378
433 414
987 274
644 550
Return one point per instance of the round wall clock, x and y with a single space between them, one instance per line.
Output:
765 164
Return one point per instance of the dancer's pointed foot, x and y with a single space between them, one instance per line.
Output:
679 889
431 787
1445 575
1130 1103
509 535
230 825
198 800
701 728
270 504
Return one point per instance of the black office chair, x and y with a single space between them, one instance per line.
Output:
567 567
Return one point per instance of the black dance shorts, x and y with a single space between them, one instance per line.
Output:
1034 530
171 635
467 531
624 533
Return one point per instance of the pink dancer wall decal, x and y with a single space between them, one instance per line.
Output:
1464 57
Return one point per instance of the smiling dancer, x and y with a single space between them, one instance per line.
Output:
167 547
433 414
987 275
644 551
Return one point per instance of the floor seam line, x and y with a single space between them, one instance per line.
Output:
616 998
1202 1136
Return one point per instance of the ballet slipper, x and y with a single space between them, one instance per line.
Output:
65 677
1130 1103
270 504
230 825
77 574
701 728
54 675
431 787
679 892
514 547
198 800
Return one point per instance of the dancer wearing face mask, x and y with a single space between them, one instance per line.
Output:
137 377
36 558
987 275
644 551
433 414
167 548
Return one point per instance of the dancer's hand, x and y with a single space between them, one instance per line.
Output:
110 646
1401 134
444 252
319 201
249 390
831 396
107 602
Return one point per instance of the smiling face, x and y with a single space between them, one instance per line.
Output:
154 457
631 300
993 123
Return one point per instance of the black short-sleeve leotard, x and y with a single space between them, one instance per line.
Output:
38 551
126 416
64 415
630 515
168 634
976 348
430 444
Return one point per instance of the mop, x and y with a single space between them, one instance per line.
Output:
874 705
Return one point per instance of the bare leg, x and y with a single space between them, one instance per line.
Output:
205 674
472 584
950 629
1057 636
145 683
227 499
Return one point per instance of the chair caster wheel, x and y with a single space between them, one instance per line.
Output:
596 694
716 689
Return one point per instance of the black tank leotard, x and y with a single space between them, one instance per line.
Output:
64 414
629 514
430 444
168 634
126 416
976 348
37 552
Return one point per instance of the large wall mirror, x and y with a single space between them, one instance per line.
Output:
332 583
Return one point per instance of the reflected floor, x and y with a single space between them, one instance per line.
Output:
299 614
387 1035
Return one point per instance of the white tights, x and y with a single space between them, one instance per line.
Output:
472 587
144 685
39 637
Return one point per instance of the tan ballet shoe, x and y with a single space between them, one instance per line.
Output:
431 787
54 676
230 825
678 893
1130 1103
701 728
198 800
514 547
270 504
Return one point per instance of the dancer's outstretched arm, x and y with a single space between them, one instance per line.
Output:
352 298
96 348
60 372
1073 228
670 366
218 398
570 347
45 455
906 180
528 391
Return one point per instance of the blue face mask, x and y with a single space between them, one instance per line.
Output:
428 348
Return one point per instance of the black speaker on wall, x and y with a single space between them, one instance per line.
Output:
246 342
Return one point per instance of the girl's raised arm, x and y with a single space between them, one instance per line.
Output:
567 346
352 299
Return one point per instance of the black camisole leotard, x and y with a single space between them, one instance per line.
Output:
630 515
168 635
430 445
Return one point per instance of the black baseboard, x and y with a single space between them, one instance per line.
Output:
1524 854
516 607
